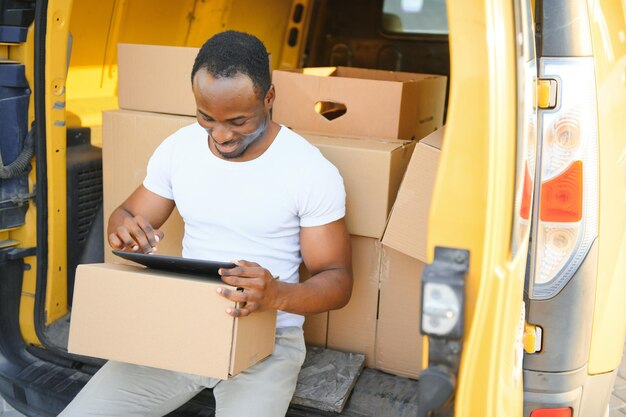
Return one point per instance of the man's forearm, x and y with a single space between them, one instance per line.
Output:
144 204
327 290
117 219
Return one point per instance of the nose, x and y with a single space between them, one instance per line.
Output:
221 133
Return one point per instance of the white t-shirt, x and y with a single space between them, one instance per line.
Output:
249 210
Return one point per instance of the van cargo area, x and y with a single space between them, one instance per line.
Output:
106 161
488 265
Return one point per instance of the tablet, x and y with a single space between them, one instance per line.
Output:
196 267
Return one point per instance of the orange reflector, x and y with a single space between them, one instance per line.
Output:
527 191
552 412
562 197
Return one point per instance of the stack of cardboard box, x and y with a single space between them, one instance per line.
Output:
367 123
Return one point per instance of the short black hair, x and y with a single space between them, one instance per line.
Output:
229 53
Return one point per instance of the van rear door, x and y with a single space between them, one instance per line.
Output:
482 197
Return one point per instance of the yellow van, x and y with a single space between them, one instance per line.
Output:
528 218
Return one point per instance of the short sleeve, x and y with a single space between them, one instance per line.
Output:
323 200
158 177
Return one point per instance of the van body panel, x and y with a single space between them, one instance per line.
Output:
608 35
56 46
472 204
571 39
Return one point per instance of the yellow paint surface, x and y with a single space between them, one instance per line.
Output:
472 205
608 32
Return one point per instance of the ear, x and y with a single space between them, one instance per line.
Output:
268 101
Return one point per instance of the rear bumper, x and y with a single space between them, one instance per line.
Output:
587 395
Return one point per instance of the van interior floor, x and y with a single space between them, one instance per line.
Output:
58 332
331 383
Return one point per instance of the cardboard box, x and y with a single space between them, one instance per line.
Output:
129 139
353 328
407 227
156 78
164 320
316 330
372 171
398 340
375 103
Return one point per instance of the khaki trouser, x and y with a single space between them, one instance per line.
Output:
263 390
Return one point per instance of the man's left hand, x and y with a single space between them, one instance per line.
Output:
260 288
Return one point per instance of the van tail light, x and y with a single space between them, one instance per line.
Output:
562 196
552 412
565 206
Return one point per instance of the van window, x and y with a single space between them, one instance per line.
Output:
415 17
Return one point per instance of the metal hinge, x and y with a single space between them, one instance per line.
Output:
443 308
13 254
18 200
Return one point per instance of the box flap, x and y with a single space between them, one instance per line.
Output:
319 71
381 75
362 73
307 133
361 144
400 159
398 340
435 139
430 105
406 229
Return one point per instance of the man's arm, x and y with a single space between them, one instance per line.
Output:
328 257
133 226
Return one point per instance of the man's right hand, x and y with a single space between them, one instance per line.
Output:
135 235
134 225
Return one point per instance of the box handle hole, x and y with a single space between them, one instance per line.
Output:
330 110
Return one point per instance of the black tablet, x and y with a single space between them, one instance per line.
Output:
197 267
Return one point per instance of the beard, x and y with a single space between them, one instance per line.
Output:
242 142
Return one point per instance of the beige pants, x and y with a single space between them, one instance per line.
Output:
264 390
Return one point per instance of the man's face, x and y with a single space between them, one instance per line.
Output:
232 113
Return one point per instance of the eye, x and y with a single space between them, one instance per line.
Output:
238 123
205 117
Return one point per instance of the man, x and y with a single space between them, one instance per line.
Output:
248 190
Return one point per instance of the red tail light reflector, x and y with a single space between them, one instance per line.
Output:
562 196
552 412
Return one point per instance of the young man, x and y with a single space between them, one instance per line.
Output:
249 191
